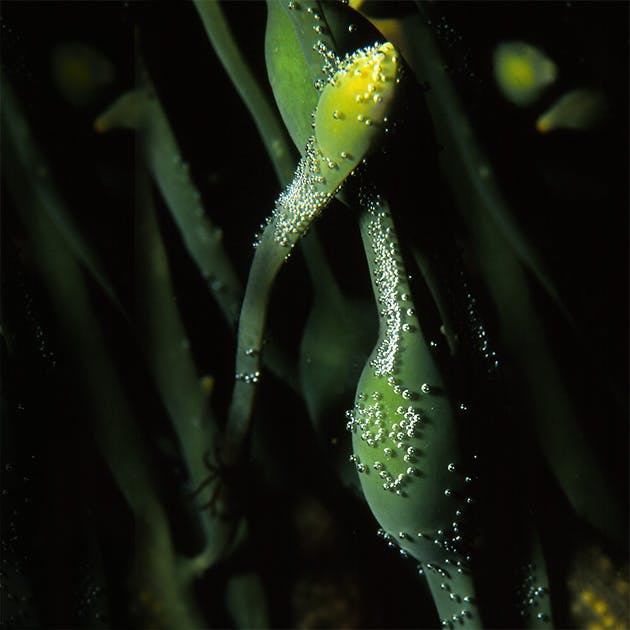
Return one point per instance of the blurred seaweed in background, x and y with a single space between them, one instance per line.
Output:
418 418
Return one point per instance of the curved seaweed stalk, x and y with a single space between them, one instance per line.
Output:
349 118
141 110
170 360
296 98
407 449
328 370
269 128
158 573
49 199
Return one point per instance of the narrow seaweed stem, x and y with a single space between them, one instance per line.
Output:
268 260
110 416
267 123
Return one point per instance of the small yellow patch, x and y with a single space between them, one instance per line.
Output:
354 105
519 72
522 71
543 124
207 384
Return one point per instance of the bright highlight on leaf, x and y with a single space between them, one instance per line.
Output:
353 107
578 109
522 72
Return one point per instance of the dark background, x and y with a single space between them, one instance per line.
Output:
65 530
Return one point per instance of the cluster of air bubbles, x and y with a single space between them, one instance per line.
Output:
376 424
358 89
89 598
456 551
450 37
444 30
456 620
432 567
386 273
370 421
16 601
531 594
250 378
391 541
301 201
41 339
361 468
330 61
42 345
451 538
479 333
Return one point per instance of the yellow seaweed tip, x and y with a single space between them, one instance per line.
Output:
354 104
207 384
544 124
522 71
579 109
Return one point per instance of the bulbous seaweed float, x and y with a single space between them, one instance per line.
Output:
348 122
404 434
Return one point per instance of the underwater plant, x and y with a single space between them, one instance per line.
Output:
295 287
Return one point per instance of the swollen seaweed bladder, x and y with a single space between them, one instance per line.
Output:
309 319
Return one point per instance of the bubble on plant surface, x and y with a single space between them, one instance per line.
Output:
302 200
366 73
249 378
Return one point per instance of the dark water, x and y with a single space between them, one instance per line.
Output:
68 547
